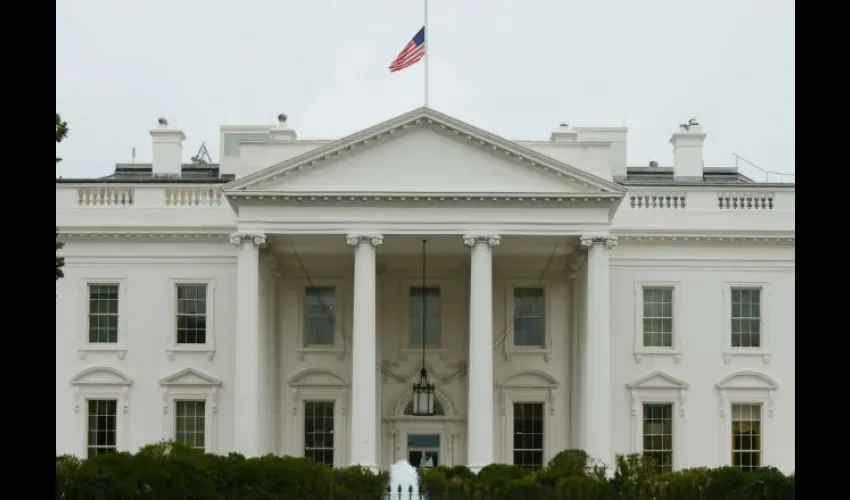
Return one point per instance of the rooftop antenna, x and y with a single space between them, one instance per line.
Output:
133 156
767 173
203 156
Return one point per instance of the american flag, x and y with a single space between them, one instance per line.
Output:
411 54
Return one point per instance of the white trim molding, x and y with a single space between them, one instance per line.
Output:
190 384
102 382
657 387
763 351
745 387
675 351
509 349
316 384
341 286
207 348
405 348
120 347
528 386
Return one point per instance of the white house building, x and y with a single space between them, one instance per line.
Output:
274 302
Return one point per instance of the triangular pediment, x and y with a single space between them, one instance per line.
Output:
101 375
190 377
528 378
658 380
423 151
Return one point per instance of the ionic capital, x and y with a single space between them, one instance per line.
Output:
588 241
491 239
372 239
258 239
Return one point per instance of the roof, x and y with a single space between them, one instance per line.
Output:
142 173
712 176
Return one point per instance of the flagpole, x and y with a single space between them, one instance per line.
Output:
427 49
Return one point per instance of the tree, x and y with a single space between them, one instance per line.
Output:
60 261
61 133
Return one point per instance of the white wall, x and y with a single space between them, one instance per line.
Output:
701 275
699 272
146 271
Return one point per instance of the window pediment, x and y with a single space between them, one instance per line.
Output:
316 377
190 377
746 386
657 387
658 380
747 380
101 376
529 378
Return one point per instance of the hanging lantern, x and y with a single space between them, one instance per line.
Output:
423 395
423 391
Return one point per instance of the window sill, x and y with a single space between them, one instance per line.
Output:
416 352
118 349
642 352
511 351
206 349
730 353
301 352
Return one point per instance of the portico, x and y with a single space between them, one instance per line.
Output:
374 192
479 423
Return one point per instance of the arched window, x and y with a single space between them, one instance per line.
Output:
438 408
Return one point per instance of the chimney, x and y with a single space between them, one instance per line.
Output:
564 134
167 155
617 137
282 132
687 151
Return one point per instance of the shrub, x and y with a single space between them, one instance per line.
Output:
171 471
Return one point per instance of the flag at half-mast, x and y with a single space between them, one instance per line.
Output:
411 54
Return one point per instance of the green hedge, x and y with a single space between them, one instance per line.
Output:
169 471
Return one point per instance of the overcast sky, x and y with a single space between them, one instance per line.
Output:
514 68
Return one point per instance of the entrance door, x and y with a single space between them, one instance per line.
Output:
423 450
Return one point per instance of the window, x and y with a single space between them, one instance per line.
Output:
424 301
103 313
191 313
190 423
658 317
102 421
319 431
528 435
658 434
746 317
529 317
746 436
319 315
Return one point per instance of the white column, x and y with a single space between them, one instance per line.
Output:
364 442
480 416
597 383
248 385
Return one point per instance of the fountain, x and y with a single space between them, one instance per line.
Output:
404 482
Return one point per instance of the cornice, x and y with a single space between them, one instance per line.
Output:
136 235
685 239
492 200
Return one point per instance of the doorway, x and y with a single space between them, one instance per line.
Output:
423 450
